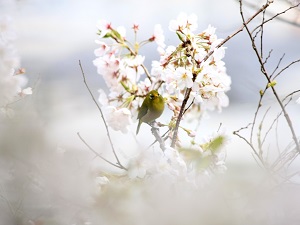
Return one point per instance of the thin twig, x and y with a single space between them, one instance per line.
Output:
240 29
276 16
260 142
187 108
296 61
277 66
252 147
96 153
146 72
262 34
103 119
294 92
269 56
163 137
12 210
262 93
272 124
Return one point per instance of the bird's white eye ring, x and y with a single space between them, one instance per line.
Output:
151 96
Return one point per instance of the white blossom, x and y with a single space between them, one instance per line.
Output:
100 182
184 78
122 31
158 36
102 49
26 91
104 27
184 23
118 119
11 79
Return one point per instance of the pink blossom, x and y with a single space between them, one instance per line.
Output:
104 27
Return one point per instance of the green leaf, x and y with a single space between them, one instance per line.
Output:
116 35
180 36
215 144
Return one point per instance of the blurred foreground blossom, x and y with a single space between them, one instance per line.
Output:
118 119
26 91
11 78
101 181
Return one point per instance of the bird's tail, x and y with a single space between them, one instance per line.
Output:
138 127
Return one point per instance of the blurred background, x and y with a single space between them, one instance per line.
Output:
52 36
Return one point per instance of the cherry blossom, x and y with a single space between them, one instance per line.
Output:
104 27
12 78
158 36
184 23
102 49
184 78
118 119
26 91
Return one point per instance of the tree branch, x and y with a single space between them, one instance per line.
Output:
97 154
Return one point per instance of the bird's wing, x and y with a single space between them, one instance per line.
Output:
142 111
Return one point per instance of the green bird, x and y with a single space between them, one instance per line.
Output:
152 108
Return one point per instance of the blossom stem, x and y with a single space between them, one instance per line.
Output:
146 72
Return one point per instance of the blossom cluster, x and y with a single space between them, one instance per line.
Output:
11 78
182 67
192 71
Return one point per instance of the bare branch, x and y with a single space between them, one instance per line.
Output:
276 16
97 154
252 147
260 141
265 73
267 58
262 93
296 61
289 95
278 64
